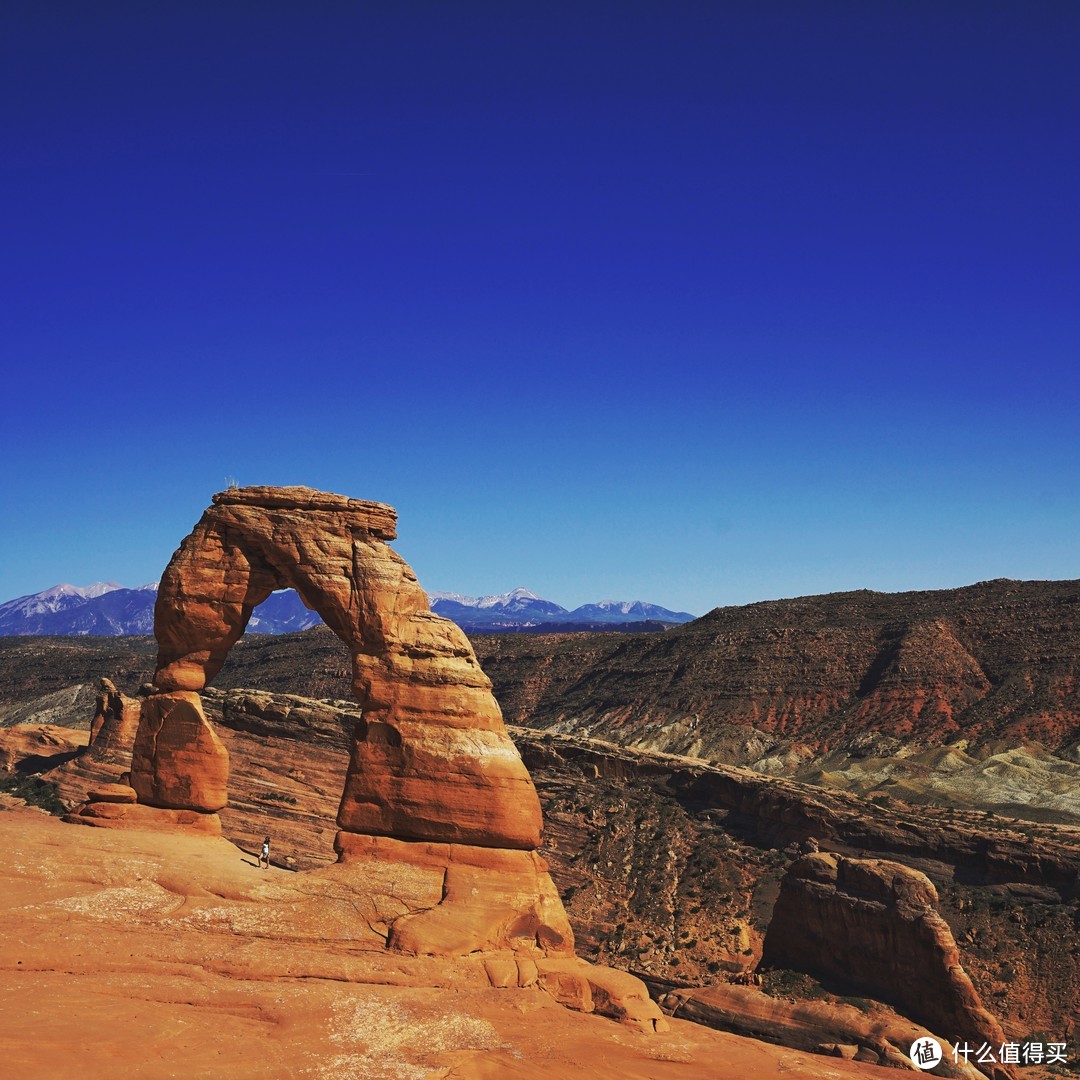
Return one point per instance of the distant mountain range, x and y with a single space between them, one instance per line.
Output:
520 609
106 609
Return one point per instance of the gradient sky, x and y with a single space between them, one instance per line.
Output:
699 303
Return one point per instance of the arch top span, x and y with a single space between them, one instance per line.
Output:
431 758
376 518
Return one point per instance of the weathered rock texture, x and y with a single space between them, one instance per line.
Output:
174 955
460 899
831 1028
873 925
116 720
178 762
431 759
436 799
665 866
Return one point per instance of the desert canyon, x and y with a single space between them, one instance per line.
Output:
628 881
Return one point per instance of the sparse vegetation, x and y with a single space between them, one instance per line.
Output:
34 791
278 796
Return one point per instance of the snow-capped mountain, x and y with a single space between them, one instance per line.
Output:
522 609
519 607
281 613
618 611
58 598
103 608
108 609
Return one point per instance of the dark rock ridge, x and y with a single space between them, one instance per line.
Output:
788 680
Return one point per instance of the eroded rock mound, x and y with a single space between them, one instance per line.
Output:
116 720
873 925
830 1028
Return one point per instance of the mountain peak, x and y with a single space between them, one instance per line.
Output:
87 592
502 599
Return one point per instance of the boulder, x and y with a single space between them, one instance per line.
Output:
871 925
178 762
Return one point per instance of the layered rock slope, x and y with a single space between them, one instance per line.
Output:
671 869
994 661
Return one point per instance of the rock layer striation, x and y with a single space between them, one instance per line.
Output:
436 798
431 759
873 925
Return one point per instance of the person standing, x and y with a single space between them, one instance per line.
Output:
264 858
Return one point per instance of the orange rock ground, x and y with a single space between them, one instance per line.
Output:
163 955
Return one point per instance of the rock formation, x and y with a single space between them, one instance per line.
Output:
116 720
436 795
657 859
178 762
872 925
830 1028
431 759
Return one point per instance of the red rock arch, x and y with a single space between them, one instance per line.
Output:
431 759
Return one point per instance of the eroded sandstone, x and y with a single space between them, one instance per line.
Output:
431 759
830 1028
115 723
439 819
873 925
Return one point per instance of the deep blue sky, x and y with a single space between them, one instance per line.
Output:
699 303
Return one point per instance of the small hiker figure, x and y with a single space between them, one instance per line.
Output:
265 856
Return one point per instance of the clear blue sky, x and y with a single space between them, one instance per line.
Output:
699 303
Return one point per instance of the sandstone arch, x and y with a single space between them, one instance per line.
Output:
431 759
438 817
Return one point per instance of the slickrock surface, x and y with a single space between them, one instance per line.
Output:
36 748
874 924
463 899
165 955
831 1028
670 868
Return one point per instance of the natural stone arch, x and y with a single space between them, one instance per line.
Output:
431 759
436 797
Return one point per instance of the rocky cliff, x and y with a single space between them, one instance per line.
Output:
671 868
874 925
876 671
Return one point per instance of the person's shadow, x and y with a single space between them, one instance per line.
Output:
248 862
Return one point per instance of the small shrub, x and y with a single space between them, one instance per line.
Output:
34 791
278 796
860 1003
